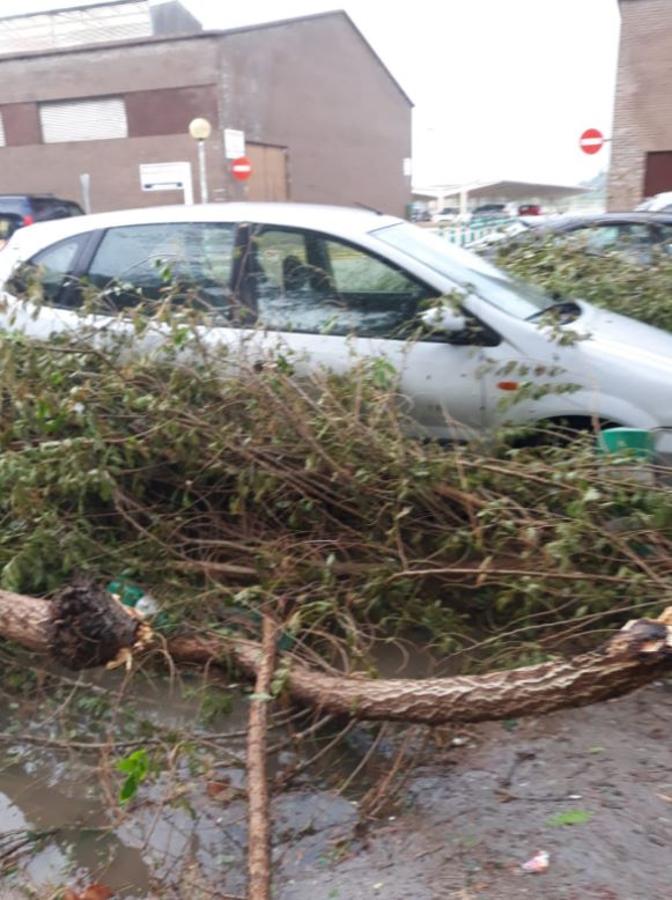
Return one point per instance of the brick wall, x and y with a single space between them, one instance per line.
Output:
643 105
310 86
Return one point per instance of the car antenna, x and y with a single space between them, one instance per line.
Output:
370 208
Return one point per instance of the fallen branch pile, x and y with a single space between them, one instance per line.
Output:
217 493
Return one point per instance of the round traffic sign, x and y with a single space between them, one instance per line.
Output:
591 141
241 168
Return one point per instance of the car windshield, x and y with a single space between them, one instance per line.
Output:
469 271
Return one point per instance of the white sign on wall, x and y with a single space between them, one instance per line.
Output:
234 143
175 176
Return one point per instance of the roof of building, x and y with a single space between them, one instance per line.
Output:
276 23
61 9
511 190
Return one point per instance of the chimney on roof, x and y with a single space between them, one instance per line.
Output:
170 17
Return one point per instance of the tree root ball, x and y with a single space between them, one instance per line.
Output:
88 627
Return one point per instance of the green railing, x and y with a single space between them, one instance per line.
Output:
465 233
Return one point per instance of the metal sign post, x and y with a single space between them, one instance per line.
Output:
203 179
200 130
85 184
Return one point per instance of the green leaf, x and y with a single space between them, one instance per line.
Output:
571 817
136 763
136 767
129 789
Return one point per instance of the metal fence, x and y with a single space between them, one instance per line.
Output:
465 233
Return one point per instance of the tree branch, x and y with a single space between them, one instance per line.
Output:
259 831
636 655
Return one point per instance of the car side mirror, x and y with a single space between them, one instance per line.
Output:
443 319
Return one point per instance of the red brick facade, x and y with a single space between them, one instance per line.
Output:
643 107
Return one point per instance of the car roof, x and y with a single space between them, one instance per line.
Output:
33 197
566 223
338 220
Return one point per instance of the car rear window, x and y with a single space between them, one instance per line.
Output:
16 205
53 208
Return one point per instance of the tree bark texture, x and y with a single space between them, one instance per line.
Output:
259 836
636 655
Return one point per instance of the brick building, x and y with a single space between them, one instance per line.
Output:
104 89
641 159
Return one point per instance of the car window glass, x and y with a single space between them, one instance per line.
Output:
186 262
617 236
50 267
598 239
303 281
466 270
46 208
16 205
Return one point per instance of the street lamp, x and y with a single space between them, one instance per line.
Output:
200 130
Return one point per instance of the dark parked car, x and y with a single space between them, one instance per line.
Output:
24 209
634 234
488 211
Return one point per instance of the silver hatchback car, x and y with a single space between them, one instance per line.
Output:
332 285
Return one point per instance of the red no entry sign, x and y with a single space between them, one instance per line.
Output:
241 168
591 141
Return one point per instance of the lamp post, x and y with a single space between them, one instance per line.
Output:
200 130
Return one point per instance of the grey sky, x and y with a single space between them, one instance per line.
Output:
502 88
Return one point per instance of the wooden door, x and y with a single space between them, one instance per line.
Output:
658 176
269 178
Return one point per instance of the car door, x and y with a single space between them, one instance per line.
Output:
331 303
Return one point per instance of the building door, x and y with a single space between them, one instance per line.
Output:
269 179
658 175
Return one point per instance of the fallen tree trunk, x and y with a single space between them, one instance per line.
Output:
636 655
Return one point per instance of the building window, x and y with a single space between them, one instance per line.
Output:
3 142
83 120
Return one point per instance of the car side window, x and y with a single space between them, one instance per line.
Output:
303 281
50 269
616 237
186 263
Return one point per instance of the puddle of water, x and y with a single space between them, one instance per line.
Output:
187 826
